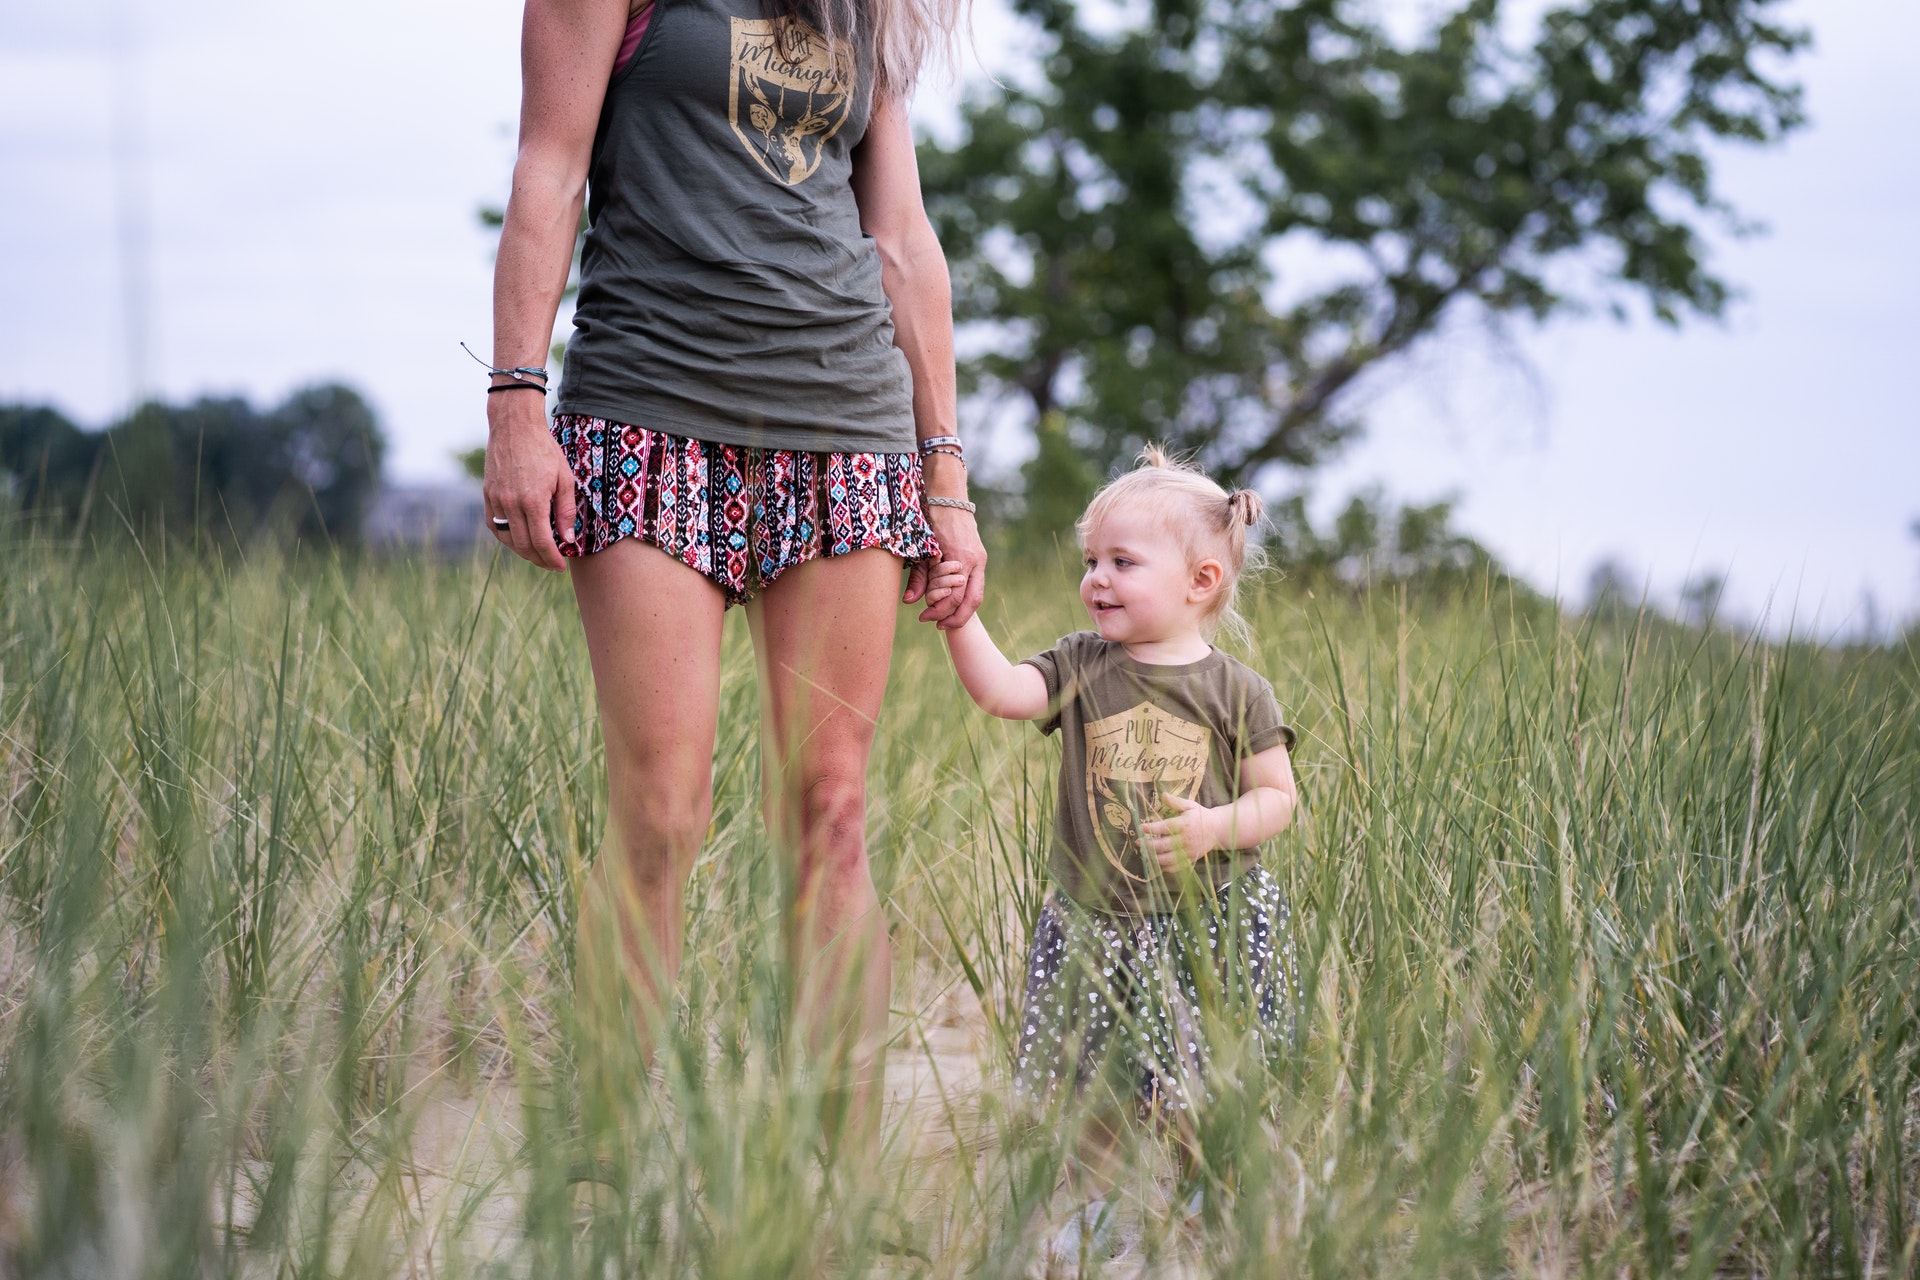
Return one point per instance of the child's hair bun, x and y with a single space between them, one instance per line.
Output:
1246 506
1154 456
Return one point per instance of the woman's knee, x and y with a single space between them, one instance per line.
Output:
832 813
659 833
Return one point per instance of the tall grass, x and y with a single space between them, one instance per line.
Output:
1607 938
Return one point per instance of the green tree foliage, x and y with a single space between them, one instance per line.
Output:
1056 482
308 467
1119 235
1372 541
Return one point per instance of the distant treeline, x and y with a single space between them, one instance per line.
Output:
307 468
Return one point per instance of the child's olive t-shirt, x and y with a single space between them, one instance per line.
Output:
1133 732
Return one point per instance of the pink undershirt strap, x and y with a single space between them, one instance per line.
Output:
636 28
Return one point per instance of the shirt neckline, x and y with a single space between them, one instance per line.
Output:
1130 663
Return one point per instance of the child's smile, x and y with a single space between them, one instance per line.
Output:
1140 591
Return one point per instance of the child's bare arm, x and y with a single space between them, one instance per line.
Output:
1265 807
998 687
1267 798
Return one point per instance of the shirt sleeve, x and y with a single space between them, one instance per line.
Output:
1262 728
1054 666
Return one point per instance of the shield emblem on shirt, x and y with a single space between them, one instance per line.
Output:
1134 760
792 90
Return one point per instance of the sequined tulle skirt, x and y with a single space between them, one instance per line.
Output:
1136 1001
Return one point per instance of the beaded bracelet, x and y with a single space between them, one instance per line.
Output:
949 445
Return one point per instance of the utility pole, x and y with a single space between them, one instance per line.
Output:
133 212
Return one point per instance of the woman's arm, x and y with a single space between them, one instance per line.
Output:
913 270
1265 808
997 687
567 48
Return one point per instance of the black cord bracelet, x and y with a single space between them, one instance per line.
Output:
518 386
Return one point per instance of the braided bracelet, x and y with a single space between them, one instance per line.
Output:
519 373
958 504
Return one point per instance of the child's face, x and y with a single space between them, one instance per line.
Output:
1139 588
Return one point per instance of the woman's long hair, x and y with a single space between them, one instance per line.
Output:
905 33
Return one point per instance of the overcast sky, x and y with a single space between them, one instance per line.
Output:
314 172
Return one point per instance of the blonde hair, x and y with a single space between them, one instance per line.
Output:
1206 519
904 33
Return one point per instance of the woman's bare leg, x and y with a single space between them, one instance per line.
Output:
823 633
653 631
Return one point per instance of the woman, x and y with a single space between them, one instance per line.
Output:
758 407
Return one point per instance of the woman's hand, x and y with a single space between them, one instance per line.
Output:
1185 837
955 587
567 48
527 479
961 552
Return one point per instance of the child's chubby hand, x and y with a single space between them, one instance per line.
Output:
947 577
1185 836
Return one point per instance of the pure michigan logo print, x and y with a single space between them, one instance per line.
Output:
791 92
1134 759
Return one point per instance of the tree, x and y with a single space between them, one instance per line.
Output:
1057 479
46 458
309 465
1116 233
1611 588
329 448
1700 598
1371 541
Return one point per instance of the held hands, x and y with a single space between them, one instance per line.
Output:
1186 836
944 580
964 565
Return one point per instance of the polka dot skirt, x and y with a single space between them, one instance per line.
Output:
1129 998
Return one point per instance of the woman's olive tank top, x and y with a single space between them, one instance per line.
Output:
727 292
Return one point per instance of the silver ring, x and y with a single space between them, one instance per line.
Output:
502 523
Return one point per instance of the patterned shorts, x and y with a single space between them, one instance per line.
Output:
1131 1000
739 515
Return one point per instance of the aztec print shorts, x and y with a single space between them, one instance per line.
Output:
1131 1000
739 515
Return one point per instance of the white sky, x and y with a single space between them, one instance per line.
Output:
314 172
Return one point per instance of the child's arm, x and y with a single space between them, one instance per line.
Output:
997 686
1264 808
1000 688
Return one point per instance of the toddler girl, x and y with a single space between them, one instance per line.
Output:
1173 770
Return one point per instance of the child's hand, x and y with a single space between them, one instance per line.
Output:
1186 837
948 577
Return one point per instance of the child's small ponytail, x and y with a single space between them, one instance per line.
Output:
1246 507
